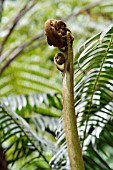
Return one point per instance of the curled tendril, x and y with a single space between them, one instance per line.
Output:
59 59
55 30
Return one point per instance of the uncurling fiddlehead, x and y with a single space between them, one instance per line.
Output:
56 32
59 59
60 36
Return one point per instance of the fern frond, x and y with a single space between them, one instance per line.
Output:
41 103
18 138
93 99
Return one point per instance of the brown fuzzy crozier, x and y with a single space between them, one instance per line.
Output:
55 30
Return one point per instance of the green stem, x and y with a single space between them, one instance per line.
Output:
70 123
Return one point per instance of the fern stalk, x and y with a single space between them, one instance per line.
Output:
70 123
60 36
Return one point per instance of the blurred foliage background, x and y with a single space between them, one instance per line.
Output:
23 42
31 86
